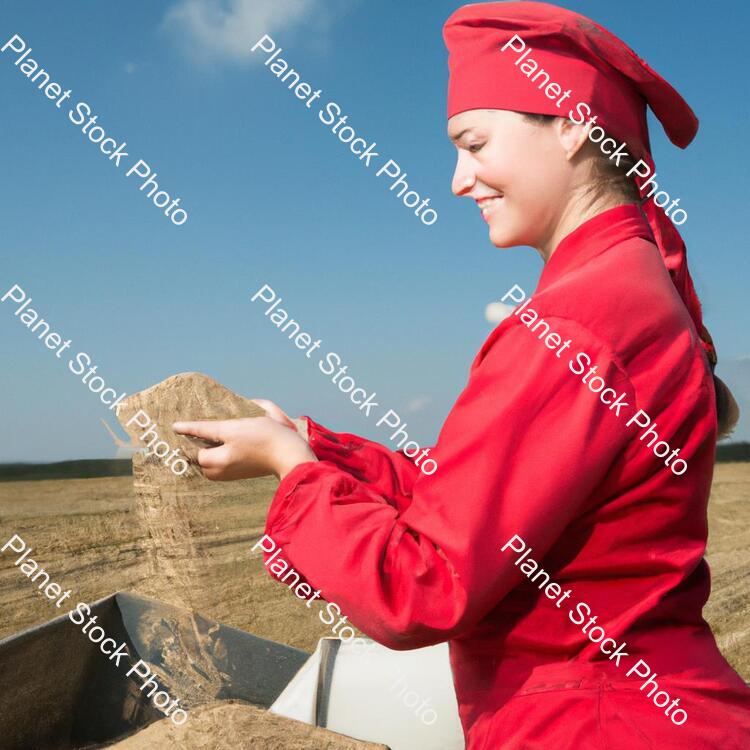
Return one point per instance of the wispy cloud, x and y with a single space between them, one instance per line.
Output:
496 312
225 30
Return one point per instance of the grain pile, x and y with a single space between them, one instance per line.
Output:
228 726
165 505
165 501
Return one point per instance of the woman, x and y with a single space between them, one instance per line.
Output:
538 470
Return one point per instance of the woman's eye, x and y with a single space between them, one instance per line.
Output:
474 147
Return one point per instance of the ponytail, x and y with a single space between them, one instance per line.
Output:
727 410
610 179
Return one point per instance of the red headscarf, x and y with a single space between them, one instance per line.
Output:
601 71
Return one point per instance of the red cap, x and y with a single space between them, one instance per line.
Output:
599 69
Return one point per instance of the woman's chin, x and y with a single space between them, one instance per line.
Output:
501 237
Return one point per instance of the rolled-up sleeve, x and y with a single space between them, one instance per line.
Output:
392 473
520 453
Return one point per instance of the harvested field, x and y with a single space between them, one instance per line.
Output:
85 533
728 609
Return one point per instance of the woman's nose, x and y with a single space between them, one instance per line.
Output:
463 176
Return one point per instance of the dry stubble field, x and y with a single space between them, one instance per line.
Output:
86 534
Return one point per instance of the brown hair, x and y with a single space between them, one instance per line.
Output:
607 178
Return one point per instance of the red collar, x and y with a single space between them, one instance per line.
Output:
594 237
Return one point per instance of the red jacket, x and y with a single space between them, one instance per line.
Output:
530 451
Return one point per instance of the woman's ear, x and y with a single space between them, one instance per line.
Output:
572 136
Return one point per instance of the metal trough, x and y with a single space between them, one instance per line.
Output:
59 691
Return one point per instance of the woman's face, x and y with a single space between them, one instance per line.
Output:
517 172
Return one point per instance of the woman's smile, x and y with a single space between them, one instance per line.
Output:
488 205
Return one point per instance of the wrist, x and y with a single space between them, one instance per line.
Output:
301 426
291 456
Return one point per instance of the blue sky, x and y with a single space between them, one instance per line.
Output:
273 197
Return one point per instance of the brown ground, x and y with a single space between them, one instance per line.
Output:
728 609
84 532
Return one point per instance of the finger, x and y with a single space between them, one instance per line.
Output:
273 411
216 475
213 474
213 459
212 430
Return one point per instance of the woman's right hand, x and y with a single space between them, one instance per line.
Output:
275 412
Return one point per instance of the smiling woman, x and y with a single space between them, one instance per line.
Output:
517 171
533 448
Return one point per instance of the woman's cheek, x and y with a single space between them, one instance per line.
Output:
506 225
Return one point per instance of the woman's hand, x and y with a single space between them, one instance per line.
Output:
277 413
249 448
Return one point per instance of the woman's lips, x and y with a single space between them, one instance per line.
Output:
488 205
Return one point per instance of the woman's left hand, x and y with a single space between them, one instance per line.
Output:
247 448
